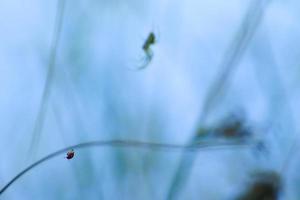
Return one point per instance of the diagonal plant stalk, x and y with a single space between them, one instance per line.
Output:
133 144
42 111
230 62
271 71
234 54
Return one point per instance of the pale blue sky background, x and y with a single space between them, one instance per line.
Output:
95 95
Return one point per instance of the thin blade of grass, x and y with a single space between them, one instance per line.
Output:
42 111
269 73
230 62
133 144
234 54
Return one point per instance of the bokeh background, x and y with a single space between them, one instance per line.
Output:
69 75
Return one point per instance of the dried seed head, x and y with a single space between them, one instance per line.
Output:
265 186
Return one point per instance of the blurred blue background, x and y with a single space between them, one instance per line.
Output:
93 92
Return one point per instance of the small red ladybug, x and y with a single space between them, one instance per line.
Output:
70 154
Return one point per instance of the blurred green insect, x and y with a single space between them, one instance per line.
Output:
150 41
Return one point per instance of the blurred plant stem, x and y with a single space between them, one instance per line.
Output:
228 65
281 112
131 144
42 110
